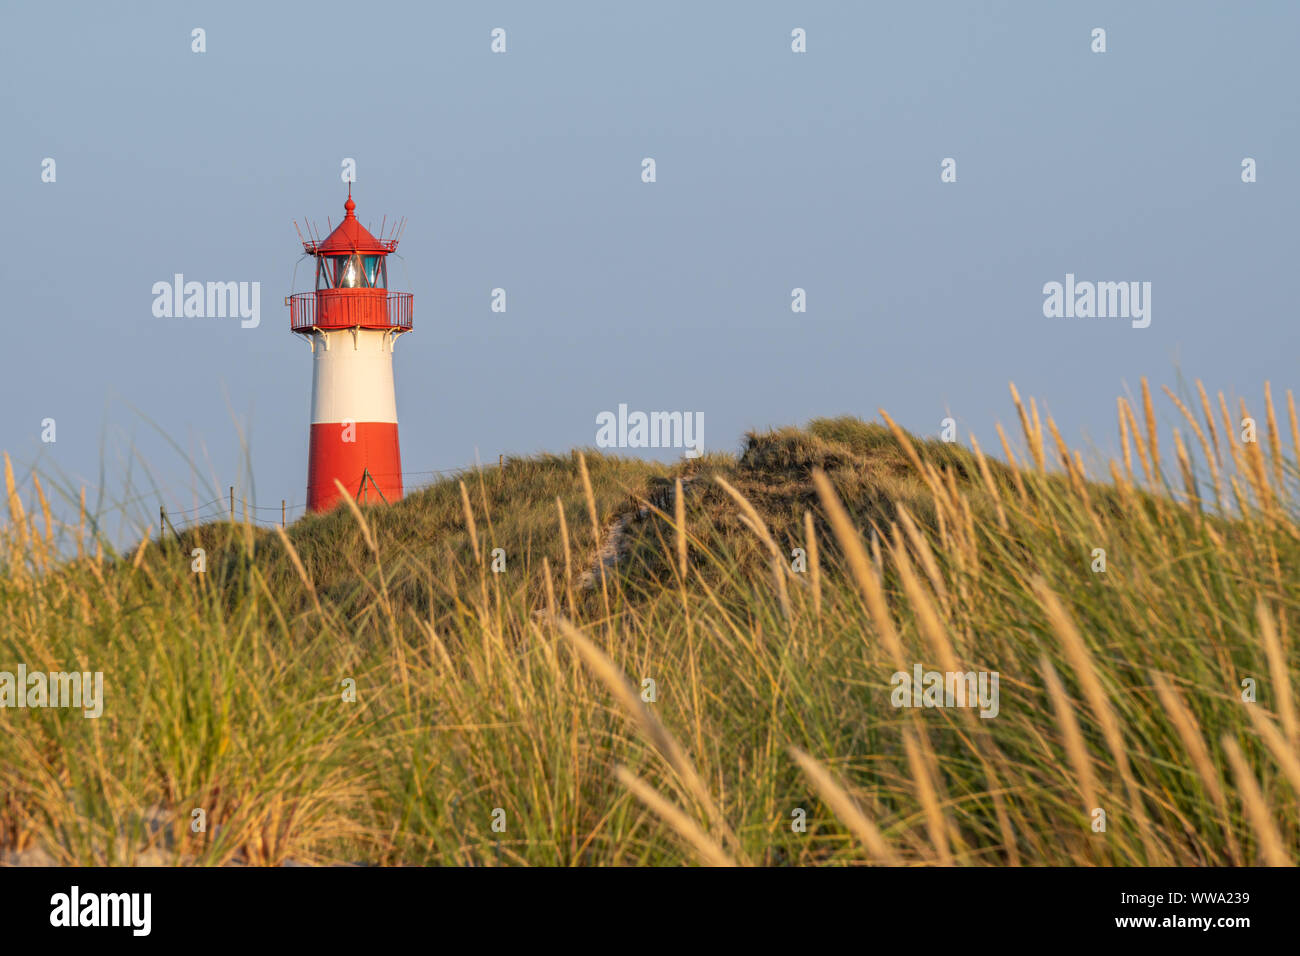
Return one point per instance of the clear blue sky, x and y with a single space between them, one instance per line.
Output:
522 171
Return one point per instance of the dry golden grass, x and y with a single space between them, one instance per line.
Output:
666 712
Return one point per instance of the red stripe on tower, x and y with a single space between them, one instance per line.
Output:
352 322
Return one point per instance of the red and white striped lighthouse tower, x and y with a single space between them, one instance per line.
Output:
352 322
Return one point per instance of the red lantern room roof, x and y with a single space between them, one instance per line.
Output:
350 236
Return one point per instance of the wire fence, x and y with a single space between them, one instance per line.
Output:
230 508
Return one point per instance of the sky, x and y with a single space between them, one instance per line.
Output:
522 170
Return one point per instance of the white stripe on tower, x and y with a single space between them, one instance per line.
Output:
352 380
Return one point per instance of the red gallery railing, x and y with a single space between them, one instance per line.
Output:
351 308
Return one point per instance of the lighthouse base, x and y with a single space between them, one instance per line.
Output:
364 456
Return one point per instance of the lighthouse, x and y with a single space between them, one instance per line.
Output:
352 323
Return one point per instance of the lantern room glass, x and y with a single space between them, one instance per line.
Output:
355 271
350 273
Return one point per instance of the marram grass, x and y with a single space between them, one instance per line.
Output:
657 676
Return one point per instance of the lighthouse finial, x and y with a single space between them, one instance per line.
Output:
350 205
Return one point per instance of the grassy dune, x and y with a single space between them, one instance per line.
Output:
518 698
